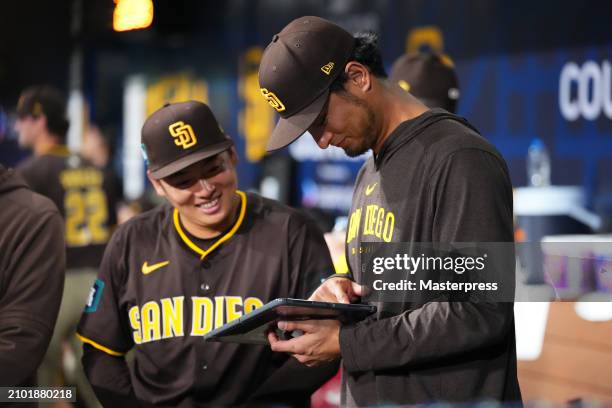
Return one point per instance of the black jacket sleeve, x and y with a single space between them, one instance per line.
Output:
472 194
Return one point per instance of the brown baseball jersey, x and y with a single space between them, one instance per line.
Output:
160 290
31 278
85 197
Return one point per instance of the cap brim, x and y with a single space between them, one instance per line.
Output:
290 129
190 159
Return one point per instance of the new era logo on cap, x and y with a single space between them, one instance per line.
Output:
327 68
179 135
296 71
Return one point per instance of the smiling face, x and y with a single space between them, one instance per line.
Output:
204 194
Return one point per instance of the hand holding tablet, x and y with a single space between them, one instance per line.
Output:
252 328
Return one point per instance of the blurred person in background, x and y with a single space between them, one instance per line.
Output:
132 208
32 264
97 149
430 77
86 201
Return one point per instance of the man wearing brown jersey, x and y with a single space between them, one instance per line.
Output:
209 255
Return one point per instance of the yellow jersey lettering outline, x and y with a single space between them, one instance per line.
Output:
147 269
327 68
353 228
272 100
174 317
375 221
183 134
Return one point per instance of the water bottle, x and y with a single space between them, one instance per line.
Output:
538 164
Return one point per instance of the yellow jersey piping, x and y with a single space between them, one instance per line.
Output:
99 346
230 233
58 150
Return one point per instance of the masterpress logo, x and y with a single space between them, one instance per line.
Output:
585 90
417 272
424 264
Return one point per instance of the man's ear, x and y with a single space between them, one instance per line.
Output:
156 185
359 76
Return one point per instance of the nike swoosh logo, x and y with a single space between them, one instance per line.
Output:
371 188
147 269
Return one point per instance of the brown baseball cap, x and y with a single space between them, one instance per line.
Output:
296 71
179 135
429 76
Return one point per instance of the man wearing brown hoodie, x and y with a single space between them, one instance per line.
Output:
431 179
32 262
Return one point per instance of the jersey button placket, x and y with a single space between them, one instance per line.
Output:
205 287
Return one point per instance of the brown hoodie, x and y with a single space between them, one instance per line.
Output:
32 263
435 180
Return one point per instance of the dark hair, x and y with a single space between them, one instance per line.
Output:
49 101
366 52
59 127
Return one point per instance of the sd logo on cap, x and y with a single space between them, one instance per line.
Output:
296 70
179 135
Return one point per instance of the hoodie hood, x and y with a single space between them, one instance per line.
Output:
10 181
409 129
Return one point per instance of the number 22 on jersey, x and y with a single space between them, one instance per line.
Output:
85 206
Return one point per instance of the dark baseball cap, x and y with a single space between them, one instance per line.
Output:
429 76
44 100
296 71
179 135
